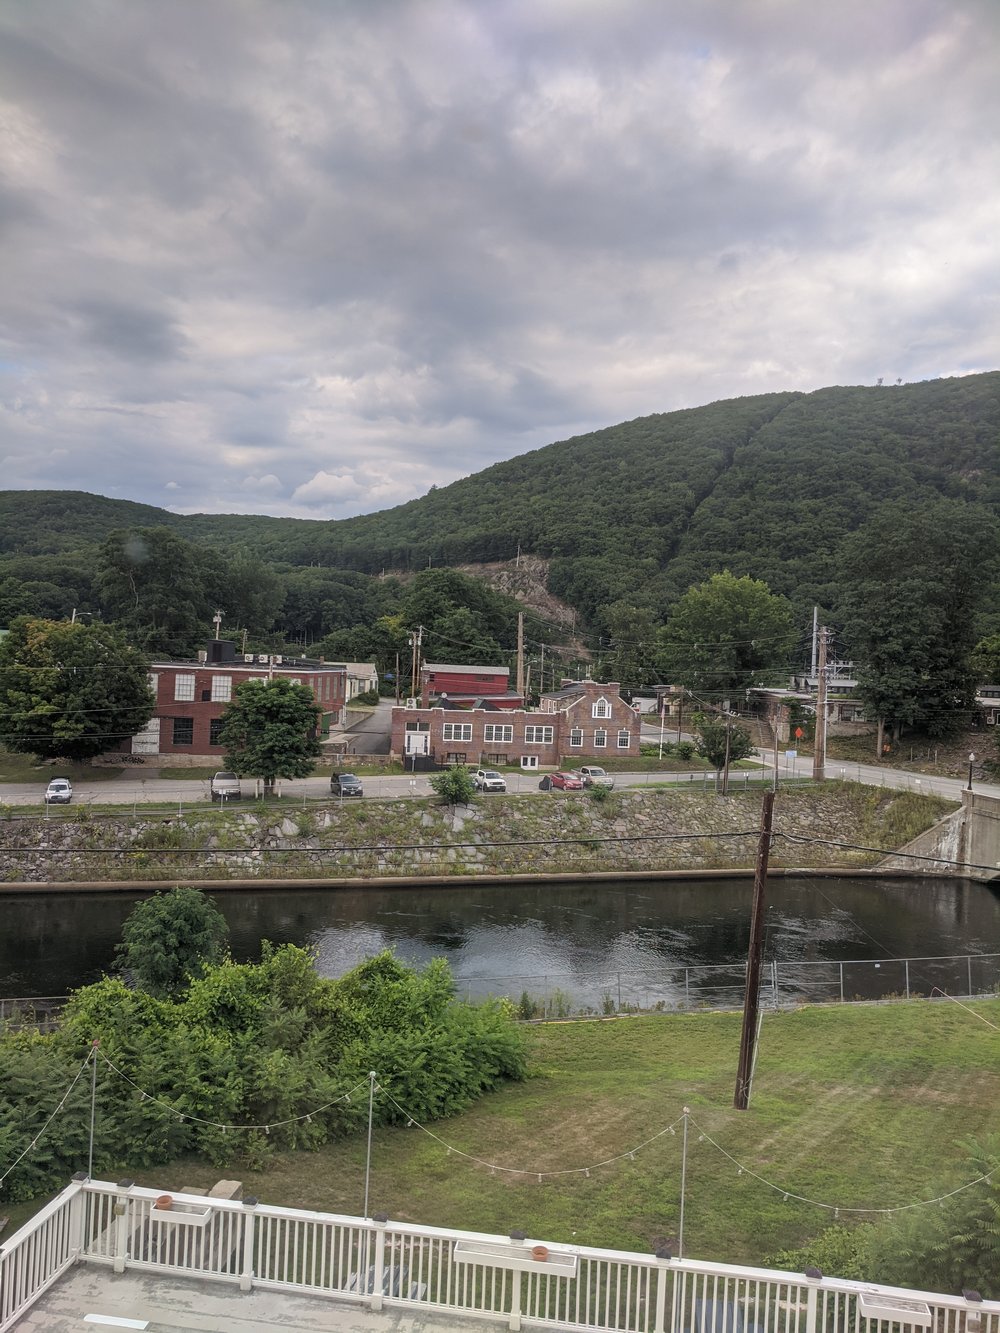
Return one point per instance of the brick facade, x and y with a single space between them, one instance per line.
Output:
192 696
584 720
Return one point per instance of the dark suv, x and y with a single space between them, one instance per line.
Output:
346 784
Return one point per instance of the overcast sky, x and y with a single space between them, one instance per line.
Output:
308 257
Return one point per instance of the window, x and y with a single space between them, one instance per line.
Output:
222 689
601 708
624 739
457 731
214 731
576 736
600 738
495 732
184 688
184 730
538 735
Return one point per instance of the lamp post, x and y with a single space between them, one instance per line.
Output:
972 760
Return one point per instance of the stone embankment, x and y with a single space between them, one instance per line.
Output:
624 831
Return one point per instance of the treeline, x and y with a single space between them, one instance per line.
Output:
163 591
628 518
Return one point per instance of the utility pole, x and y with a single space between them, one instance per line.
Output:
416 640
397 679
520 653
815 637
725 767
755 953
217 622
819 745
541 674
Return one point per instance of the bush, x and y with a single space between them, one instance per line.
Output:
454 785
368 699
267 1043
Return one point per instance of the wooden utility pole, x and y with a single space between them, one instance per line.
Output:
725 767
416 639
819 748
755 954
520 651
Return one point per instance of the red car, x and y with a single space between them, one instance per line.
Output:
561 782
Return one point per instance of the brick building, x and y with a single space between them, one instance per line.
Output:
582 720
192 696
464 686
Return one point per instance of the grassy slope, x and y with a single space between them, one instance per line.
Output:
858 1107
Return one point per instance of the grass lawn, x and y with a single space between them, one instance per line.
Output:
27 768
859 1106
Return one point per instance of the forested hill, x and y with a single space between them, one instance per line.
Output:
765 485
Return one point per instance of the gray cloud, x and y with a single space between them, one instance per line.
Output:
303 258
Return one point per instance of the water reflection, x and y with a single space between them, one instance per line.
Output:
592 939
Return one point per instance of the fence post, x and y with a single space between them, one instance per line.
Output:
687 988
841 983
246 1268
78 1215
968 965
774 981
906 966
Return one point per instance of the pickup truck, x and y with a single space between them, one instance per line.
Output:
226 787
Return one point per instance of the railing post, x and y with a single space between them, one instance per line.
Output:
379 1283
514 1322
249 1221
78 1215
661 1270
812 1298
121 1223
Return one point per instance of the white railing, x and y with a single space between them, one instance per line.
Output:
510 1281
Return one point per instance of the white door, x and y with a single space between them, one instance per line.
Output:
418 742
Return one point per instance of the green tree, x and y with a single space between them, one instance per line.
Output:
159 585
169 939
725 635
915 580
719 740
985 660
633 632
454 785
70 690
269 730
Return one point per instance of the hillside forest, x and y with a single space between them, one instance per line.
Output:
879 506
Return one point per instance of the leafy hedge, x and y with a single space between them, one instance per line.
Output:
250 1045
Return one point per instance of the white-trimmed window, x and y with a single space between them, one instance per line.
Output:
600 739
495 733
602 708
183 688
222 689
457 731
624 739
538 735
576 737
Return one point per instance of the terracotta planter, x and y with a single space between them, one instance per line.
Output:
540 1252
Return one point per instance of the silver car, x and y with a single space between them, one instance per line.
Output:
59 792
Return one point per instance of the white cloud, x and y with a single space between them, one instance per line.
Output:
315 259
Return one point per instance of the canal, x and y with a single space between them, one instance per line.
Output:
592 945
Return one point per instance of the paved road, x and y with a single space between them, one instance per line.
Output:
136 788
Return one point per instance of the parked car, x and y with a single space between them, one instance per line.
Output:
561 782
346 784
488 779
595 776
226 787
59 792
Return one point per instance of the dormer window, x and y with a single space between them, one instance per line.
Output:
602 708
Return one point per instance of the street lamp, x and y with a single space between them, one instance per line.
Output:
972 760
